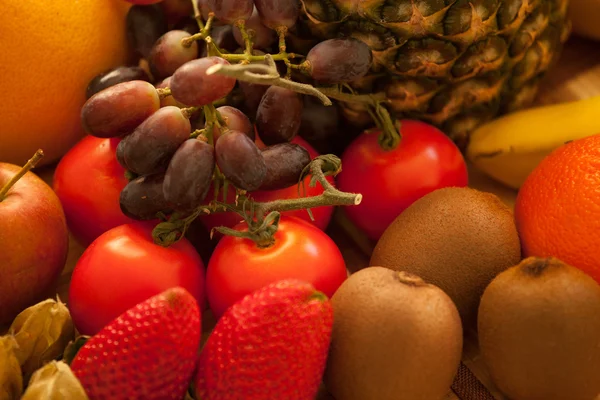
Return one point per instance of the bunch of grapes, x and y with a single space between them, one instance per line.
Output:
182 126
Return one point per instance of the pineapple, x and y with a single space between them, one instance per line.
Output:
453 63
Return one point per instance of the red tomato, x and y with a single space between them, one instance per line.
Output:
238 266
88 181
124 267
322 215
390 181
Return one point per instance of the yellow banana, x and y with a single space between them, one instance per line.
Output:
509 148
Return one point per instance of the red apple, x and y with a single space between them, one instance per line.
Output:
34 239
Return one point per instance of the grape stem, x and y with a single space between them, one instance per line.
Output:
26 168
198 15
269 75
163 92
241 24
262 218
204 31
266 75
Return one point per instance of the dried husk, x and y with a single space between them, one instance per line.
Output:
54 381
11 380
73 348
42 332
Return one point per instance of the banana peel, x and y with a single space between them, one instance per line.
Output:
509 148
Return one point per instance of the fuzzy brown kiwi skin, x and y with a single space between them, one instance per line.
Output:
458 239
395 337
539 331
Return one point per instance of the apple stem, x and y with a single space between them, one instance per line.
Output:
26 168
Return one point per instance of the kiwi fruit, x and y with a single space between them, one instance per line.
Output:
394 337
456 238
539 331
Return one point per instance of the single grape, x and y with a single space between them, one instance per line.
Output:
114 76
279 115
320 124
168 53
235 120
189 175
120 154
240 160
143 198
285 163
277 13
145 24
119 109
339 60
175 10
253 94
191 85
230 11
150 147
222 36
262 37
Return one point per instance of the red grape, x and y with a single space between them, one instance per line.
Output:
119 109
279 115
168 53
145 24
276 13
230 11
339 60
253 94
191 85
175 10
114 76
262 37
143 198
320 124
236 120
285 163
150 147
189 175
240 160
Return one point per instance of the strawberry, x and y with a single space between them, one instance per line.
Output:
148 352
272 344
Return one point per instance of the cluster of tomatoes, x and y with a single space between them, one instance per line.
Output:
122 265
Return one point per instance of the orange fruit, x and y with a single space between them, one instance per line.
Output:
50 52
558 207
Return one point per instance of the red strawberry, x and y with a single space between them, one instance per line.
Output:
148 352
272 344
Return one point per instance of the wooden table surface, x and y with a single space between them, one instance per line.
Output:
576 76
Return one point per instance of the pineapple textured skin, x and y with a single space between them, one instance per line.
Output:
453 63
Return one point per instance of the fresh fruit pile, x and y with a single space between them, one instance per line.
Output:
203 193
